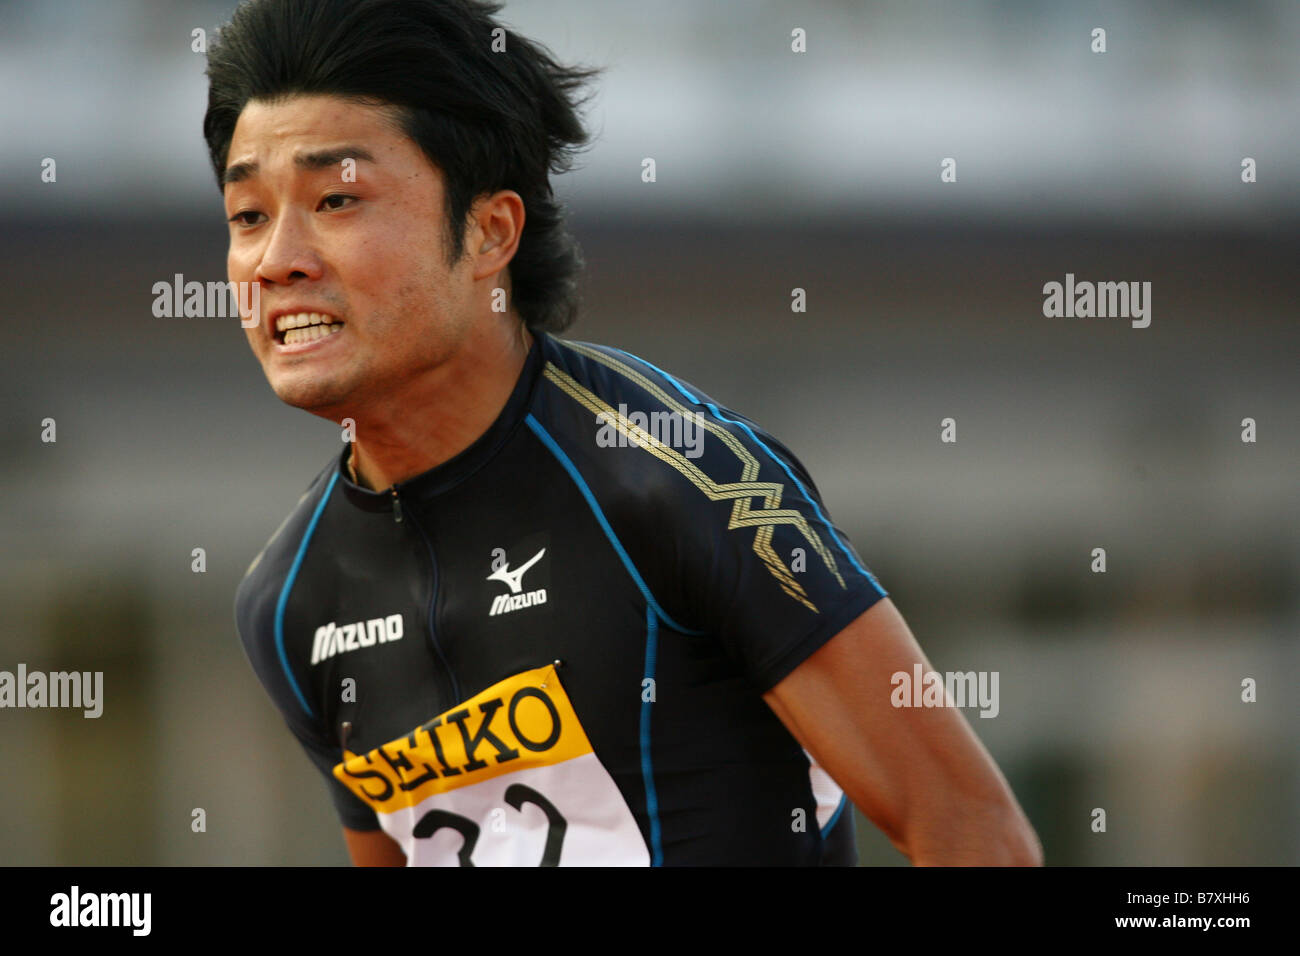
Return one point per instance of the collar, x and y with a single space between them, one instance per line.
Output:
451 472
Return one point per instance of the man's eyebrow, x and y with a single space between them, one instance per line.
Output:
321 159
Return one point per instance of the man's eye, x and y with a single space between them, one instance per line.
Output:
333 196
239 217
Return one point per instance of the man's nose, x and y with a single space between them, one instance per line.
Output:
290 252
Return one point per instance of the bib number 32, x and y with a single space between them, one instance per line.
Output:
517 794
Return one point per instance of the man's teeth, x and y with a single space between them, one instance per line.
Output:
306 327
311 333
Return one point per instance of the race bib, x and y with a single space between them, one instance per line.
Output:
506 778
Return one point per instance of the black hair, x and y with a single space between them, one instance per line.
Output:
489 120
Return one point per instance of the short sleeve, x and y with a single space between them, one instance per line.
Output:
768 573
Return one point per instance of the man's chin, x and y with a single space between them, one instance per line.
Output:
319 398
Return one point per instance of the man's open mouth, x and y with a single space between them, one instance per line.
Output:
301 327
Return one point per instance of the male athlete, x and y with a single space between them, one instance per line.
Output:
550 605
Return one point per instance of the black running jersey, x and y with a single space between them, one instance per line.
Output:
551 649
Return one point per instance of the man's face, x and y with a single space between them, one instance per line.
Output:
367 254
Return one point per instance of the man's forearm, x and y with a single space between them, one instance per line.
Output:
972 833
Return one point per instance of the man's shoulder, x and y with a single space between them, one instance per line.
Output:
613 375
724 523
693 448
267 572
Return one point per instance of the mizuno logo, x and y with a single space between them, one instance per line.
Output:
332 639
517 598
515 578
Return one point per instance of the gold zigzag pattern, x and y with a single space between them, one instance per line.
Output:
741 515
741 493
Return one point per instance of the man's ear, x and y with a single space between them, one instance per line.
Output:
498 224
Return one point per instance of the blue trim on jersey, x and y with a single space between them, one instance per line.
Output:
799 484
835 817
540 431
647 762
288 586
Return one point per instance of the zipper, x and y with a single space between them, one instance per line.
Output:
433 604
397 506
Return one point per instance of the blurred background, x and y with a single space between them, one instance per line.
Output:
775 170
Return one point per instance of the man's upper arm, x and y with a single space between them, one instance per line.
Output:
919 773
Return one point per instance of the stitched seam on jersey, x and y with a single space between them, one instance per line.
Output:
540 431
611 363
288 586
647 762
836 815
740 493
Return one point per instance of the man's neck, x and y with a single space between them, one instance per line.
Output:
442 416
